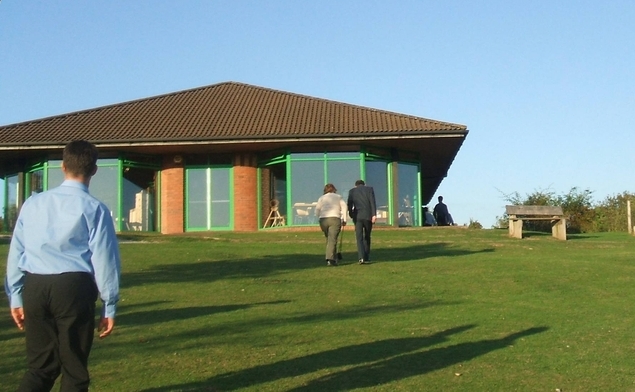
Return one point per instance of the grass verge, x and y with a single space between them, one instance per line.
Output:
439 309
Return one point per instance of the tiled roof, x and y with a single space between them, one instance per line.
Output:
224 111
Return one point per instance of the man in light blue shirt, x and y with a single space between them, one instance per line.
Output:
63 254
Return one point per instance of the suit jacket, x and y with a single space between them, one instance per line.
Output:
361 202
441 214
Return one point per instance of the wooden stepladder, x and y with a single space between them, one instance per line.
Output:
274 219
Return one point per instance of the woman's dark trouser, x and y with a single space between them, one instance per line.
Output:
59 323
331 228
363 227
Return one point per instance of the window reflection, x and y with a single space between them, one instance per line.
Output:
138 201
103 185
307 184
377 177
54 176
274 195
408 196
36 182
208 198
343 175
12 200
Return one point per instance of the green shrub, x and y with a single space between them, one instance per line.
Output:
474 224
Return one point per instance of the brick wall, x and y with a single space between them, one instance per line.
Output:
172 196
245 192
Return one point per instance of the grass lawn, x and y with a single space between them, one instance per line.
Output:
440 309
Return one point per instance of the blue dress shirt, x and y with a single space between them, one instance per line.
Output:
65 229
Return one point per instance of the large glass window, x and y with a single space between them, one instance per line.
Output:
343 174
408 194
197 198
377 177
221 197
127 187
274 195
2 210
138 199
311 171
104 185
130 196
12 199
35 182
208 198
54 174
307 184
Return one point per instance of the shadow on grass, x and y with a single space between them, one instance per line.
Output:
369 364
413 364
158 316
10 332
267 266
422 252
581 236
237 330
543 234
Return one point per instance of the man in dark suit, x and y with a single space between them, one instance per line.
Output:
362 209
441 213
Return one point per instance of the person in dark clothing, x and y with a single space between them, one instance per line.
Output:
441 213
362 209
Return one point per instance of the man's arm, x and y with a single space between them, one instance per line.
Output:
18 317
351 204
373 205
106 325
107 266
14 281
349 201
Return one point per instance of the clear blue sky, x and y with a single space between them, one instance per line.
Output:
546 88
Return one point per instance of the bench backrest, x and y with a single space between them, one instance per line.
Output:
534 210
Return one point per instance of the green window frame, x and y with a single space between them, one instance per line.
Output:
209 201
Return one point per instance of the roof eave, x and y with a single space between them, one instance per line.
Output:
247 140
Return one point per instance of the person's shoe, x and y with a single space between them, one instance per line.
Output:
362 261
331 263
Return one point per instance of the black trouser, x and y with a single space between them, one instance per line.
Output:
59 321
363 227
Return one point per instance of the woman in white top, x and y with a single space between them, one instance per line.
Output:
331 209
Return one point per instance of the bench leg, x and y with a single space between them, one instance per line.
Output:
559 229
516 228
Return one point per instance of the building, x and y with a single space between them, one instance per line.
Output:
232 156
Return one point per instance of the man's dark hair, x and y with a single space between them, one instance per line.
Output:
80 158
359 182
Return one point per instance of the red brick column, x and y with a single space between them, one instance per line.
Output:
172 195
245 192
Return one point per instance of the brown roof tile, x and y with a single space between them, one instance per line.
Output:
224 111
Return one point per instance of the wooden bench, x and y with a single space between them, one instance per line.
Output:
518 214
